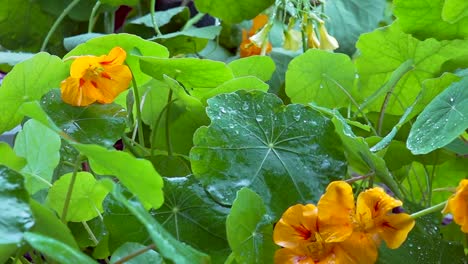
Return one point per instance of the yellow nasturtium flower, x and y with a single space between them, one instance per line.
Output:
457 205
96 79
338 230
327 42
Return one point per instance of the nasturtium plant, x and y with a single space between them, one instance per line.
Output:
250 131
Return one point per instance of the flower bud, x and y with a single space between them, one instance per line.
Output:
327 42
312 40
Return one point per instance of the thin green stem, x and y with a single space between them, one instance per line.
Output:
90 233
109 22
153 17
154 131
66 203
135 254
429 210
193 21
304 41
141 136
168 122
57 23
92 17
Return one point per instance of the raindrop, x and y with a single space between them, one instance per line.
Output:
451 99
259 118
222 110
321 86
231 125
297 116
245 106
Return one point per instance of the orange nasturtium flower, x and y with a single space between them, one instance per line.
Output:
458 205
96 79
337 230
249 47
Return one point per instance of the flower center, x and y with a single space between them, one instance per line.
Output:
317 248
92 73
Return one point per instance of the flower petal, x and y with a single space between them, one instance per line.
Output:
81 65
257 23
394 229
373 203
296 227
458 205
335 212
113 80
75 94
292 256
116 56
358 248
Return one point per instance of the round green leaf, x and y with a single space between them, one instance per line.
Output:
101 124
444 119
9 158
193 217
261 67
28 81
86 199
248 232
320 76
255 141
233 11
16 216
40 147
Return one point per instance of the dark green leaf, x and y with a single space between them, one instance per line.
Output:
118 3
249 235
101 124
16 216
138 175
321 77
255 141
161 17
232 10
349 19
168 246
444 119
40 147
28 81
193 217
56 250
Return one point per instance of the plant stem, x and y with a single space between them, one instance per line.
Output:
168 115
109 22
154 131
193 20
135 254
153 18
57 23
90 233
70 189
141 136
92 17
429 210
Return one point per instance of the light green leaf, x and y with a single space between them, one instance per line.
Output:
49 225
40 147
86 199
454 10
321 77
132 44
384 50
191 216
149 256
9 158
261 67
192 73
444 119
249 235
255 141
233 11
6 250
118 3
28 81
168 246
138 175
101 124
56 250
350 18
16 217
425 19
246 83
188 41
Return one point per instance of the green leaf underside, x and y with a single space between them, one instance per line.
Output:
443 120
320 76
85 201
16 216
385 49
193 217
138 175
101 124
254 141
126 249
168 246
40 147
249 236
